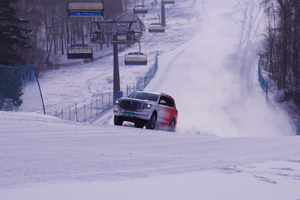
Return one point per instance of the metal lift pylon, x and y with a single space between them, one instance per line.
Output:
163 14
110 30
116 76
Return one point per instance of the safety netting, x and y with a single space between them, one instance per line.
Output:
19 89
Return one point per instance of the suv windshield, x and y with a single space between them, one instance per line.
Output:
144 96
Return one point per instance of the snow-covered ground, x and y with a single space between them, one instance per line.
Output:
42 157
228 144
213 77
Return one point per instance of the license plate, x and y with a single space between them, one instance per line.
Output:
128 113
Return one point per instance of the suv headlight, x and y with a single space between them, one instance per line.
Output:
147 106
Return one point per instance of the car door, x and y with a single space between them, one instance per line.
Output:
165 110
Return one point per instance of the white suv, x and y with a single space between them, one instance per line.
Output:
146 109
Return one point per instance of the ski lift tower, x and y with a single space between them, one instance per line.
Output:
115 32
163 13
110 31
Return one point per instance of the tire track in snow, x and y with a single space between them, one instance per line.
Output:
90 83
248 68
243 28
203 9
246 62
237 9
244 59
194 3
247 38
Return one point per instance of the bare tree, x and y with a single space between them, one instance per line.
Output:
281 46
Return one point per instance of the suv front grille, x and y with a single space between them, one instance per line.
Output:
130 105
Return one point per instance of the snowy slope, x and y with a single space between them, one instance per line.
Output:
45 158
212 78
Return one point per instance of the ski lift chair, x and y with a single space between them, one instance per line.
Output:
135 58
140 9
156 28
80 52
85 9
168 1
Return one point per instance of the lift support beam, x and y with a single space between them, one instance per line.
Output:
113 27
116 78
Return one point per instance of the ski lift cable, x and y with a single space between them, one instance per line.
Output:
130 8
126 12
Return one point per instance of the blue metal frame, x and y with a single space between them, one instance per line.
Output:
85 14
135 63
156 31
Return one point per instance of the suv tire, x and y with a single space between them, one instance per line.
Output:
139 125
150 124
118 121
172 124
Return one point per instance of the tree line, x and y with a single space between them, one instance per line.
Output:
281 47
48 27
35 30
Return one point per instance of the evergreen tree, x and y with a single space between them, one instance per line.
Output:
10 89
12 35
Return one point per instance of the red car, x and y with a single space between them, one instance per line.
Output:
146 109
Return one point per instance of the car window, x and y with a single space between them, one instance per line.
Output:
166 101
144 96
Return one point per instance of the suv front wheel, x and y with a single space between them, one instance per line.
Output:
150 124
118 121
